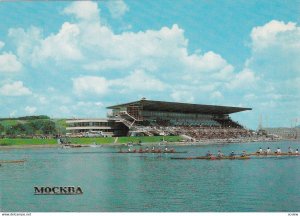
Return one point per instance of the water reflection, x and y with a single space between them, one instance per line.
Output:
127 182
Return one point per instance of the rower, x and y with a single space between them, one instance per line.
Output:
166 149
220 154
141 150
147 149
153 149
260 150
278 151
134 150
243 154
296 151
208 154
268 150
172 150
129 150
232 154
290 150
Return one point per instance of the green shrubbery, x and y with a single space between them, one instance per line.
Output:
36 127
27 118
28 126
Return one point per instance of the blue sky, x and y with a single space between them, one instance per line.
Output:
72 59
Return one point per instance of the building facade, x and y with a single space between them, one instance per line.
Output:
149 112
141 116
103 127
284 133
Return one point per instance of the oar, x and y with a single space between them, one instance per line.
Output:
12 161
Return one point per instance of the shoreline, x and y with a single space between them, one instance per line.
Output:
188 143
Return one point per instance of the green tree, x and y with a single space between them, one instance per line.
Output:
2 129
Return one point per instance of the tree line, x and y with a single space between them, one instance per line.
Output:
27 118
29 128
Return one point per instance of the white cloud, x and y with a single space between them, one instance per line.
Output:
15 89
86 10
94 46
276 58
216 95
117 8
207 63
9 63
2 44
276 50
26 42
244 79
182 96
61 46
264 36
87 104
138 80
30 110
158 63
144 59
87 85
129 51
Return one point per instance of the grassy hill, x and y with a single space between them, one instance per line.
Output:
31 126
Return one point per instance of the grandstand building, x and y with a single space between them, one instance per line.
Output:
160 117
148 118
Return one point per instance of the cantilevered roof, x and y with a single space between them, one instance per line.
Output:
181 107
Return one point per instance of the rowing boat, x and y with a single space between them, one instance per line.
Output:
12 161
273 154
150 152
212 158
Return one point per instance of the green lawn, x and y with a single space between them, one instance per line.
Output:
98 140
146 139
8 141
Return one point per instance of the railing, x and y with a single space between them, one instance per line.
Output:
126 113
126 122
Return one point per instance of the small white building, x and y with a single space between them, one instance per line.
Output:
101 127
285 133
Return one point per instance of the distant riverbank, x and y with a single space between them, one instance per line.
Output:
143 141
104 141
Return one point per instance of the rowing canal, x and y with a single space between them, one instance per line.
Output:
132 182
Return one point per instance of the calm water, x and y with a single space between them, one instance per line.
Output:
126 182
